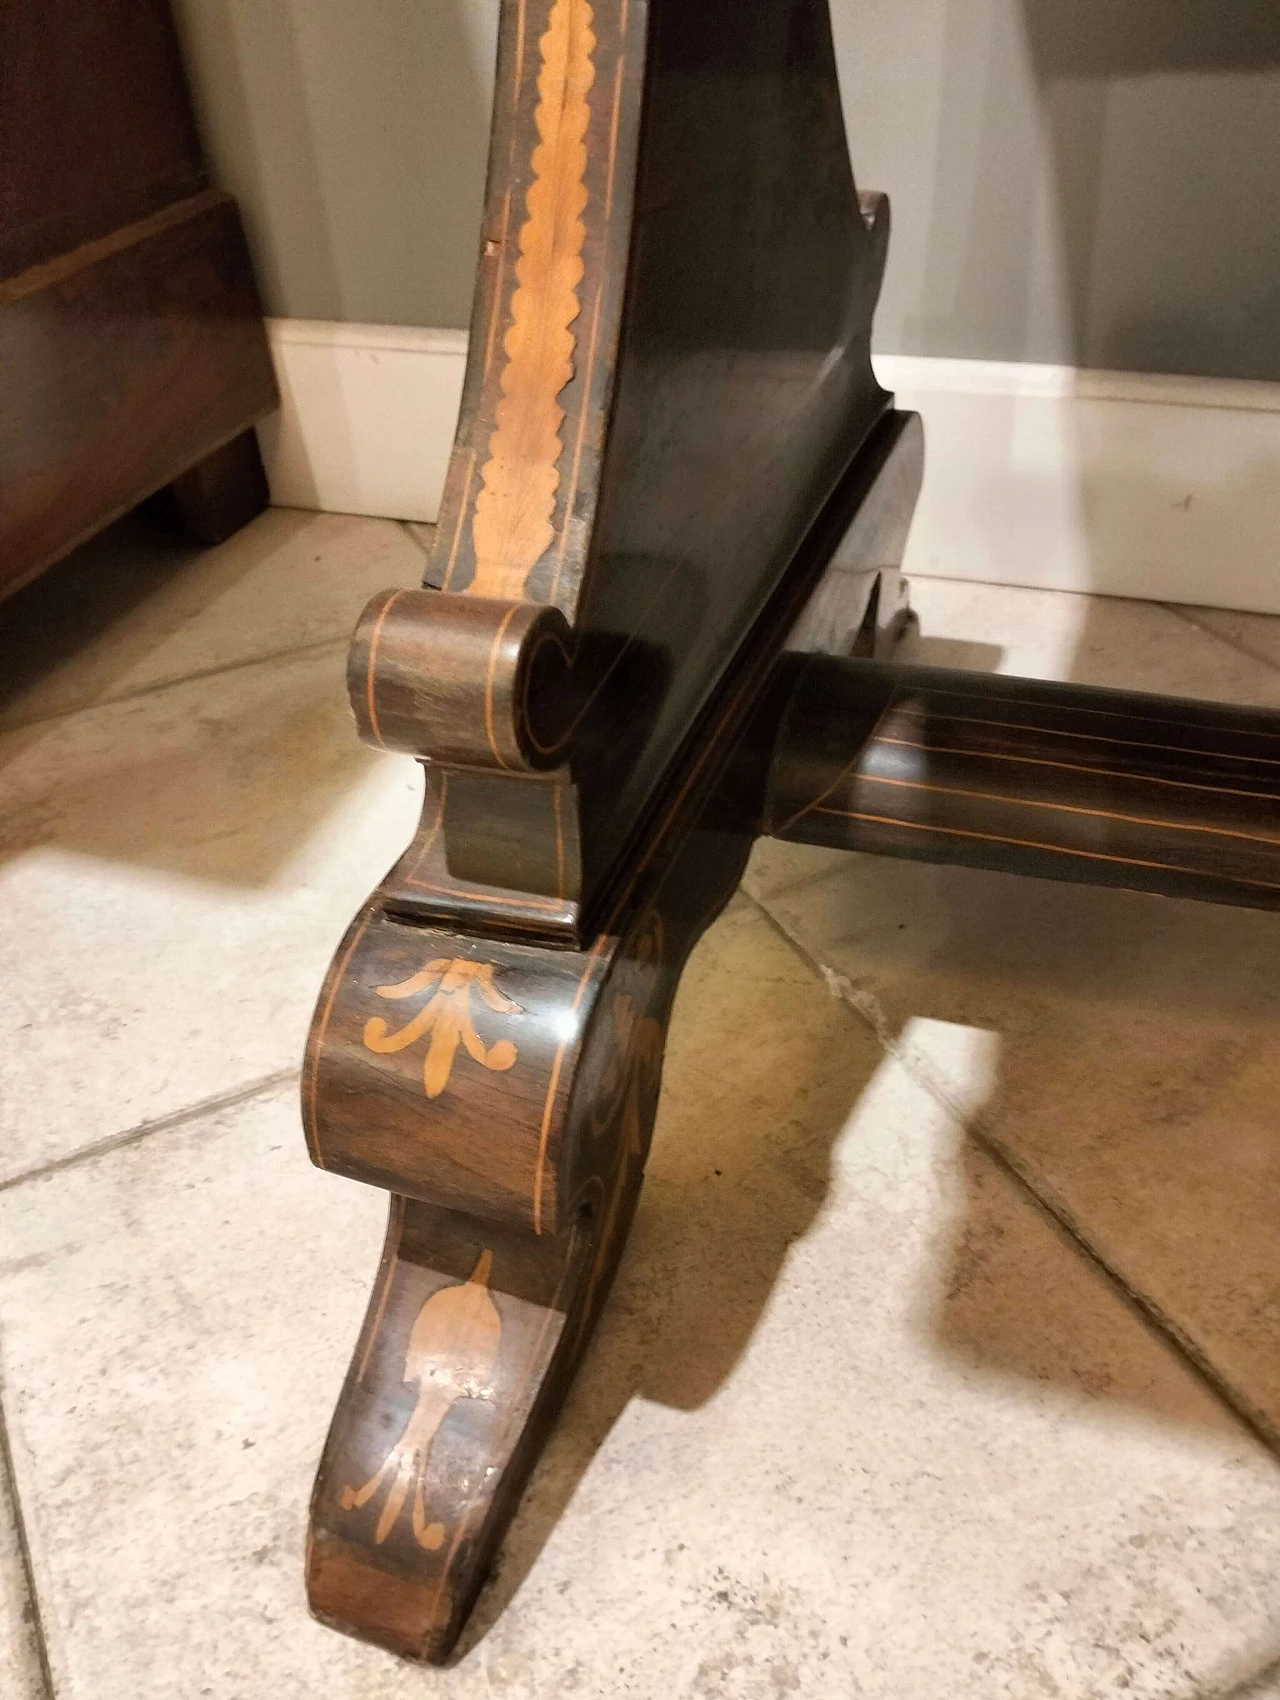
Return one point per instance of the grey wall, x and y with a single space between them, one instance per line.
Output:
1080 181
354 133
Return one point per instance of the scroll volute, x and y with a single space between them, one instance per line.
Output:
466 681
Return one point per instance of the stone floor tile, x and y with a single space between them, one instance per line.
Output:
168 1408
175 872
1138 1049
136 608
20 1674
1139 1038
1256 634
1093 640
859 1419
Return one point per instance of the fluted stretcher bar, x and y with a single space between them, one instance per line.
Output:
1058 781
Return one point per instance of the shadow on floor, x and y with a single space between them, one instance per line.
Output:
1005 1294
89 596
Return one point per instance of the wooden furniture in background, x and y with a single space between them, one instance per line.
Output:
132 350
667 557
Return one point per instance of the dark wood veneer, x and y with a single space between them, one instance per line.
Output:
1058 781
131 340
656 623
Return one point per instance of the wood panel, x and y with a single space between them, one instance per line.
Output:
132 351
96 129
503 1087
122 364
672 461
475 1325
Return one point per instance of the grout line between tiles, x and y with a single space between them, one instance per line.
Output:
158 685
1256 1686
36 1625
161 1124
1187 615
867 1008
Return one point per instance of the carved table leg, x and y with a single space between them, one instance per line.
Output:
673 461
542 1066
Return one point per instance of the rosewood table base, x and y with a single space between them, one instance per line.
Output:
658 621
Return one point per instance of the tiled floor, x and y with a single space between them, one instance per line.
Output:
942 1363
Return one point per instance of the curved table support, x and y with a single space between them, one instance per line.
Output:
675 476
673 462
503 1088
475 1326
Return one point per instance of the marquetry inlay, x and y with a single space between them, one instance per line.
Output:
513 523
445 1018
453 1347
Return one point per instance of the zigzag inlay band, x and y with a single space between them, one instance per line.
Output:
513 523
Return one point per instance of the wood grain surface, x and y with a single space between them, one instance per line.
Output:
476 1324
122 364
512 524
132 349
223 491
668 381
1057 781
96 129
463 680
671 440
502 1086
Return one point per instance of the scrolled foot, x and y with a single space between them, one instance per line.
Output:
461 1363
473 1333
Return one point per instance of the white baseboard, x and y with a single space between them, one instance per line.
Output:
1118 483
367 416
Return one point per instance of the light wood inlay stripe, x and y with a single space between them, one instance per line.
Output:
584 403
495 308
462 519
615 122
917 711
512 525
913 694
498 282
1034 844
495 649
1078 767
370 677
316 1045
395 1227
1066 808
584 413
548 1107
846 772
520 35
